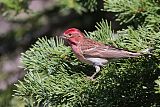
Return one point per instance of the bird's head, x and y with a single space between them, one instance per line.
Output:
73 36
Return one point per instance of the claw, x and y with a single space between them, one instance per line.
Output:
90 78
97 70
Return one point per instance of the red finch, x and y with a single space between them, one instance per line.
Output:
93 52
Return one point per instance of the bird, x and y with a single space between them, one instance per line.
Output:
93 52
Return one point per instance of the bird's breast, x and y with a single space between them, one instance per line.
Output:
97 61
78 53
89 60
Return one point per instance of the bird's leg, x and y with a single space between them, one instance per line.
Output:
97 70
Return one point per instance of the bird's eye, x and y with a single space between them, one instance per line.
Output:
69 35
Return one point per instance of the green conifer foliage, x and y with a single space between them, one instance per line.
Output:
135 12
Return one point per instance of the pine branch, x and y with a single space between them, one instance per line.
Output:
136 11
36 59
140 39
103 32
50 79
157 85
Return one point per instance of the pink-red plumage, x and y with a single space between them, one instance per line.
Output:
93 52
71 30
90 48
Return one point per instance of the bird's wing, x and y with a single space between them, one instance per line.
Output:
89 43
107 52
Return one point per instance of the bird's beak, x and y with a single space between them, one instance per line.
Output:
63 37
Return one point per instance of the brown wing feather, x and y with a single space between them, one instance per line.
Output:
108 53
96 49
88 43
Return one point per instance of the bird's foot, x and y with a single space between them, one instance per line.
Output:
97 70
91 78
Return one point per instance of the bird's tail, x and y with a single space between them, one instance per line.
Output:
132 54
147 51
